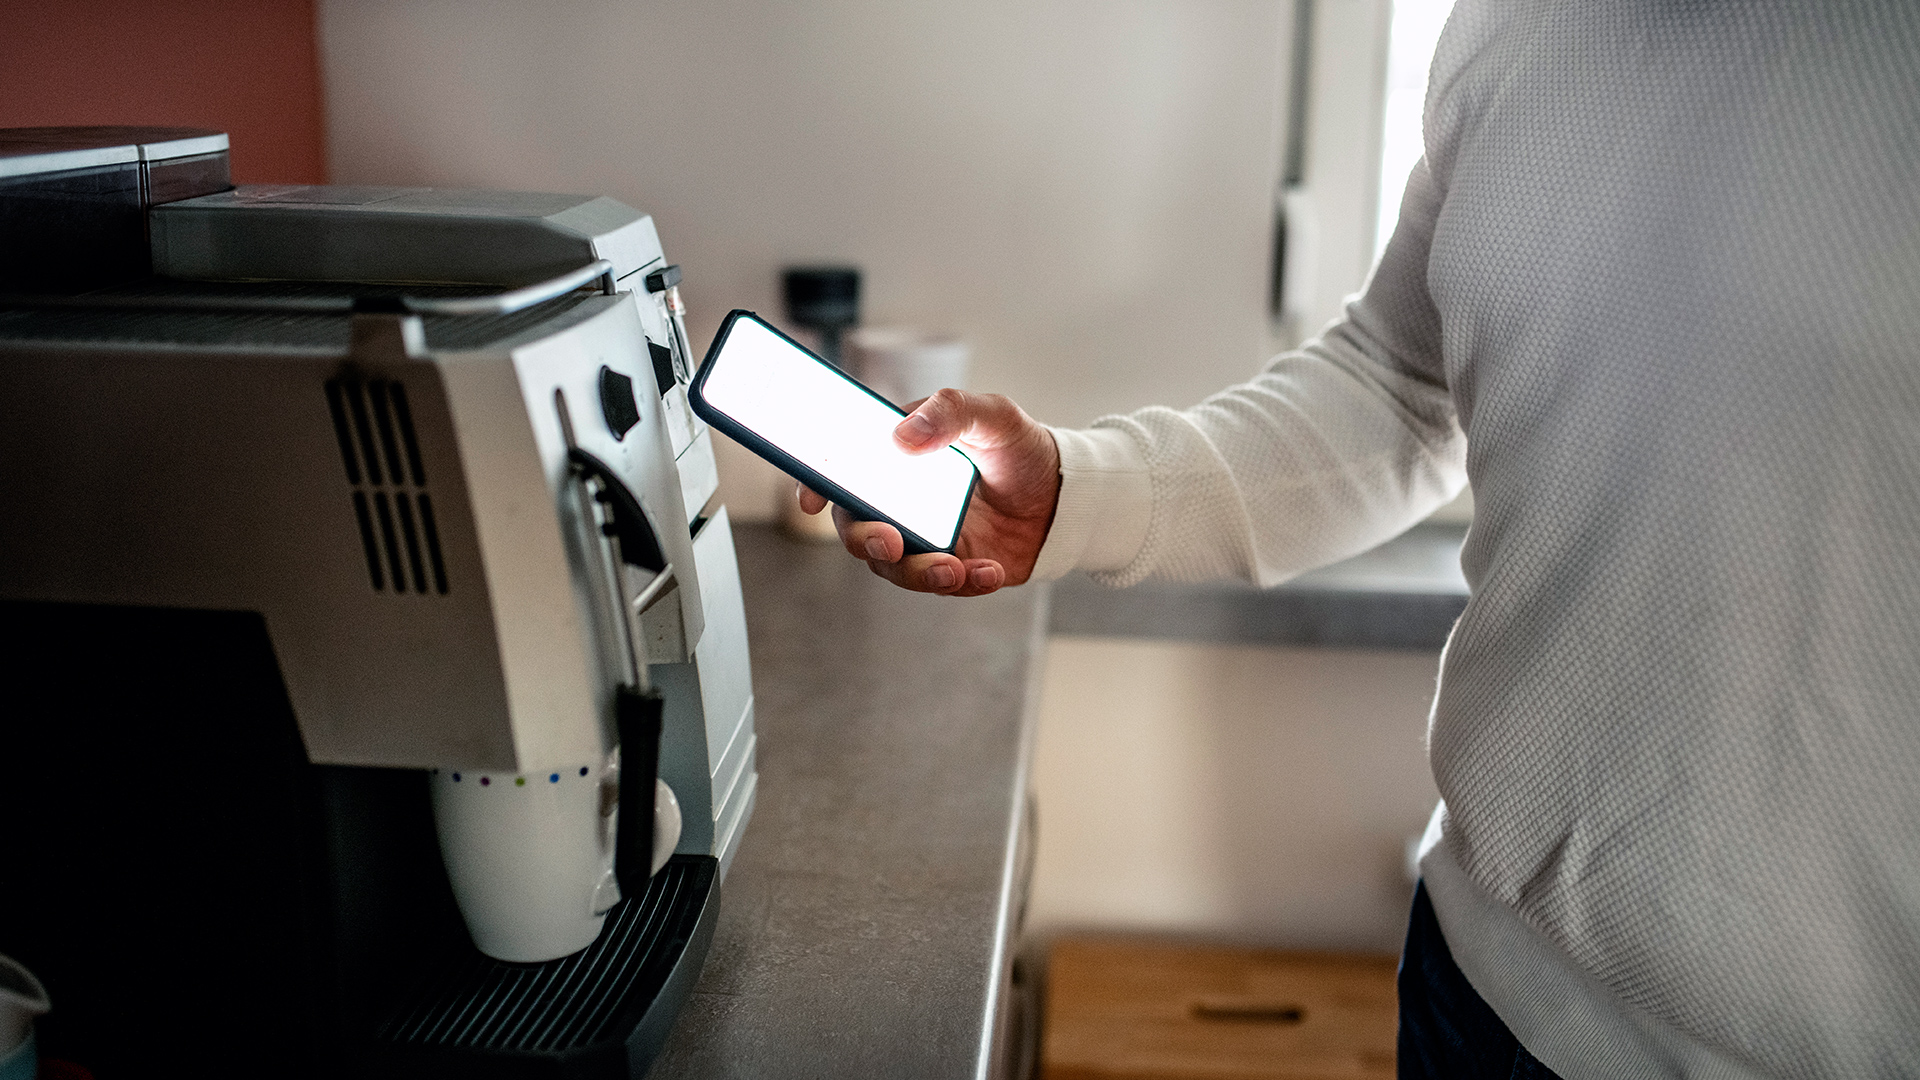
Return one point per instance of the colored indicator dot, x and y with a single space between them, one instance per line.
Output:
484 781
519 781
554 779
456 778
583 770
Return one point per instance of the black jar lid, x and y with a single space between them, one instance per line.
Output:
822 297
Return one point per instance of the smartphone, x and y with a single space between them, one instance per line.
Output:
822 427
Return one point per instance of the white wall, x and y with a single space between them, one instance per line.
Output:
1081 188
1084 189
1254 794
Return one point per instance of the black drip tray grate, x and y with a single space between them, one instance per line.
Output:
598 996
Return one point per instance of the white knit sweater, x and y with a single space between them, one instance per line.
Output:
1656 289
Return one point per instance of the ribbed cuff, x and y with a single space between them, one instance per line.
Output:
1106 503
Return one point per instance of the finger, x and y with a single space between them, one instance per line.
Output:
874 541
938 573
983 576
935 421
951 415
809 502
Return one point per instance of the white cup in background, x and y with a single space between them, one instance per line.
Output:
904 365
901 365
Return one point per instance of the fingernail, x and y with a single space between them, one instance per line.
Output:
917 429
876 548
984 577
940 577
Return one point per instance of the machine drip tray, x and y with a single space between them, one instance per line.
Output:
602 1013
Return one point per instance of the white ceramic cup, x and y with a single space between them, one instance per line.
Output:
531 855
666 825
905 365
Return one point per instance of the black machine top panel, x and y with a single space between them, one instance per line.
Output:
74 200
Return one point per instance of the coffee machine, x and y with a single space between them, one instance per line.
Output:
374 685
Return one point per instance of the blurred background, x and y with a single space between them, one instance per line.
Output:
1113 202
1082 190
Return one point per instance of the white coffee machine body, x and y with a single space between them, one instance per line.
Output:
311 415
405 518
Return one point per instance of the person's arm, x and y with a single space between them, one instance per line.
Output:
1332 449
1335 447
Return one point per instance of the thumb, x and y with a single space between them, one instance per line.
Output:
938 421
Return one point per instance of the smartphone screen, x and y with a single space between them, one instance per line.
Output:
810 414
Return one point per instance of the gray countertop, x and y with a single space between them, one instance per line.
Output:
864 927
1404 594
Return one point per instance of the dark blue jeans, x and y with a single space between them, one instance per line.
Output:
1447 1031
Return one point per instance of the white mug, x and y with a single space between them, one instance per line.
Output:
905 365
531 855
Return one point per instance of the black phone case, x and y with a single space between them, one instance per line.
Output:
785 462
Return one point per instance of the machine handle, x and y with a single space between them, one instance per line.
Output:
507 303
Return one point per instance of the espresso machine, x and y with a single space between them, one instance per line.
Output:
374 686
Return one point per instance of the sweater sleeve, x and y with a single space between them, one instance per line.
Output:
1333 448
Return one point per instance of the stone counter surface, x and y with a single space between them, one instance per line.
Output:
864 927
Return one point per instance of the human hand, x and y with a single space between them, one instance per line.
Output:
1012 505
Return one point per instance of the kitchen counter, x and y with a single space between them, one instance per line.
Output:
865 929
1404 594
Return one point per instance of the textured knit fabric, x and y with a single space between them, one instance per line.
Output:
1656 288
1447 1031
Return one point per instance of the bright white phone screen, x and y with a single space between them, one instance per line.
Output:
803 407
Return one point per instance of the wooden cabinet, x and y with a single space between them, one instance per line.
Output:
1127 1010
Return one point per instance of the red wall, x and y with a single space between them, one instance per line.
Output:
246 67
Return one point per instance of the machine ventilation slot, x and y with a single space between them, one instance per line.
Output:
384 414
357 405
433 544
366 539
389 541
405 415
412 536
337 406
373 424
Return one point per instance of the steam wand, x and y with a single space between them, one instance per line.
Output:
638 710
